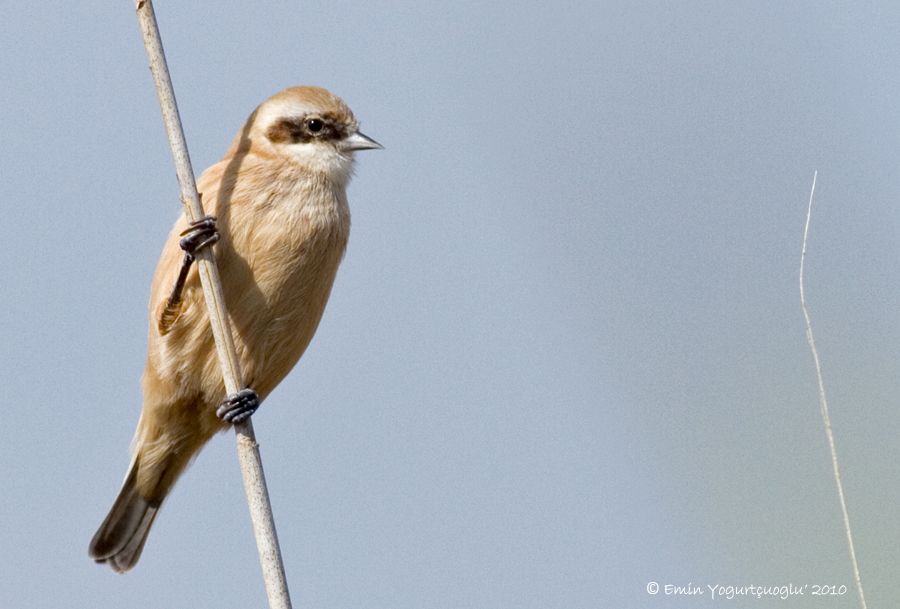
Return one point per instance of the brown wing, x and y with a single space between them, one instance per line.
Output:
164 310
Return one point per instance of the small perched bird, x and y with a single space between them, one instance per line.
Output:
278 220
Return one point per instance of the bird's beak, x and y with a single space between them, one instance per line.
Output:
358 141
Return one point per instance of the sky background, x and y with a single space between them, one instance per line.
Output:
564 356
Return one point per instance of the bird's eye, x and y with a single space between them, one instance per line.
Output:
314 125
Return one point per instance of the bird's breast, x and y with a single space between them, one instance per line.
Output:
278 275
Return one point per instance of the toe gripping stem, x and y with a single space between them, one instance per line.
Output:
238 407
199 234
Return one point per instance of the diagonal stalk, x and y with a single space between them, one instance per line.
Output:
823 404
248 449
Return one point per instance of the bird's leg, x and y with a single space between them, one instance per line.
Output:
198 235
237 407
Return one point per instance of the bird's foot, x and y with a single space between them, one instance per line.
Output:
238 407
199 234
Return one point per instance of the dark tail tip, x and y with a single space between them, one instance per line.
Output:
121 538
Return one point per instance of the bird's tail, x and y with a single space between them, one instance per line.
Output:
120 539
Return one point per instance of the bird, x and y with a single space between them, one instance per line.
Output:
278 220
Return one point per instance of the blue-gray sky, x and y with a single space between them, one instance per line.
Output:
564 356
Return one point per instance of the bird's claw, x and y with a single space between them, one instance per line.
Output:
199 234
238 407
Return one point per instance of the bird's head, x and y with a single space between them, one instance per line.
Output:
312 127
